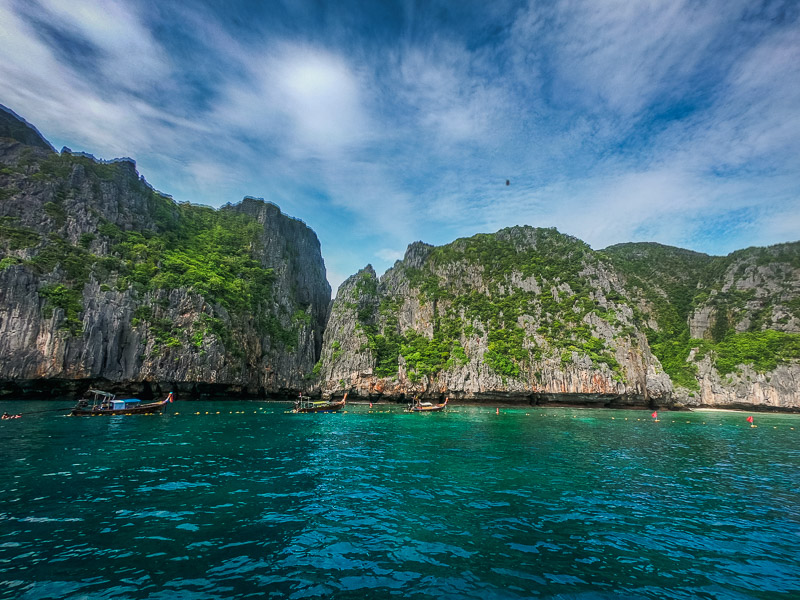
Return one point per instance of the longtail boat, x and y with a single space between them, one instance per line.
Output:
307 405
418 406
98 402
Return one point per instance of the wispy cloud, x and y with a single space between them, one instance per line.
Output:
306 99
112 35
390 255
667 120
80 70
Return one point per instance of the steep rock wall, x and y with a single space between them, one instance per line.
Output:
726 328
524 314
104 281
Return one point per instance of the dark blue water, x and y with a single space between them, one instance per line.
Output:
256 503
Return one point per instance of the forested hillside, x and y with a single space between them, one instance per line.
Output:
715 322
102 278
534 313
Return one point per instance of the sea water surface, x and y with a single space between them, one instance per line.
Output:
242 500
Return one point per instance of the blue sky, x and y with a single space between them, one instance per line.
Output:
380 123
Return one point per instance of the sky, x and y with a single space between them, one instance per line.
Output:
379 123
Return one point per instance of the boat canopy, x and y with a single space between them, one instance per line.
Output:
101 393
128 403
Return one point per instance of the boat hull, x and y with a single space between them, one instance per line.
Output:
334 407
434 408
437 408
153 407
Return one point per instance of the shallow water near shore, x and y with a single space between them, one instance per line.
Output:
242 499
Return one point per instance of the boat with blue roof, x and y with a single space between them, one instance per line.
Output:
98 402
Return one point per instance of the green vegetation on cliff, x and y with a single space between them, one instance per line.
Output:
556 297
194 247
524 295
675 283
120 283
763 350
206 251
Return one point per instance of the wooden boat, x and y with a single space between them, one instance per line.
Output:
98 402
307 405
418 406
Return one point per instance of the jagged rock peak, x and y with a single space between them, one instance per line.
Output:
367 272
15 127
416 254
533 313
259 208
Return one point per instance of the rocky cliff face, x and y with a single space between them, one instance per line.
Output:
105 281
533 314
755 299
725 328
524 313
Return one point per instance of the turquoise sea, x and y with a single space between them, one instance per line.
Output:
242 500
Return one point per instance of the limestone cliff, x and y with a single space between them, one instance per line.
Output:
105 281
533 314
755 299
524 313
726 328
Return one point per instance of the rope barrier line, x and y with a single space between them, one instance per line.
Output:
497 412
481 412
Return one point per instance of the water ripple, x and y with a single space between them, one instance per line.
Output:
359 505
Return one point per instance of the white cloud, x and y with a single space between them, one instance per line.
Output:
389 255
321 94
621 55
450 101
666 205
377 144
64 103
129 55
306 99
780 224
759 118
